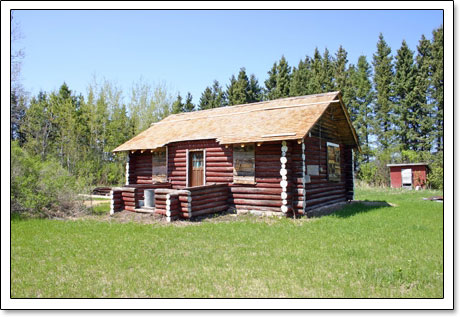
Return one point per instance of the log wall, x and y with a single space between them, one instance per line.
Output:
265 194
140 168
127 198
191 202
320 191
218 168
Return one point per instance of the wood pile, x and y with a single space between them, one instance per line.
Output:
103 191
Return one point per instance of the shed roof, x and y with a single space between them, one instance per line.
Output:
274 120
407 164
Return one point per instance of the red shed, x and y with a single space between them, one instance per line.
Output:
283 156
408 175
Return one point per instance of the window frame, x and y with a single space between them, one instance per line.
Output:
156 177
244 179
334 177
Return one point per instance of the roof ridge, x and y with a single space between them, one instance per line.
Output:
247 104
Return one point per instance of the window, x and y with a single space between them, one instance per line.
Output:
333 162
159 166
244 164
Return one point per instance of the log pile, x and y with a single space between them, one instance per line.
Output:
103 191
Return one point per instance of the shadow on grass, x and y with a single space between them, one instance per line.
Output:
355 208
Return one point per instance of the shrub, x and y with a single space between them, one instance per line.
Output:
41 187
436 173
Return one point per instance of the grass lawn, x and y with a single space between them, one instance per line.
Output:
360 251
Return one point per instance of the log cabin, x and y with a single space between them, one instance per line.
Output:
287 156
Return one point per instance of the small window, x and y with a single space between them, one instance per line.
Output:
159 167
244 164
333 162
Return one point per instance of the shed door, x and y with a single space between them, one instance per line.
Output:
406 176
196 168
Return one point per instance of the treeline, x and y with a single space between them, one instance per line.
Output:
80 133
396 105
392 99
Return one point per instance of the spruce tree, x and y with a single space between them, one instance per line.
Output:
406 110
342 80
283 79
229 95
189 106
327 72
383 81
218 95
255 92
361 105
316 73
270 83
212 97
301 80
437 86
240 89
425 116
206 101
178 106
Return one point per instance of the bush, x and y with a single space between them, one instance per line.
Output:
376 172
436 173
41 187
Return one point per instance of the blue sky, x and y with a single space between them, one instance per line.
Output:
187 50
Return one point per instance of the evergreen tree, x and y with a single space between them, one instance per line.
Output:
364 97
230 91
362 102
218 95
270 83
241 90
189 106
177 106
342 76
255 93
383 81
301 81
316 70
279 80
425 116
206 101
283 79
212 97
327 72
437 86
405 107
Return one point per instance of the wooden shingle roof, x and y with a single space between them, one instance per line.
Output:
281 119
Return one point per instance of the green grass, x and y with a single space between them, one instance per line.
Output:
101 209
360 251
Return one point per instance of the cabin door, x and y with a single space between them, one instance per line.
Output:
196 168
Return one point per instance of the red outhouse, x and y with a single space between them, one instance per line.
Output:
408 175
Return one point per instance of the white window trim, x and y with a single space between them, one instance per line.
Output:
332 144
